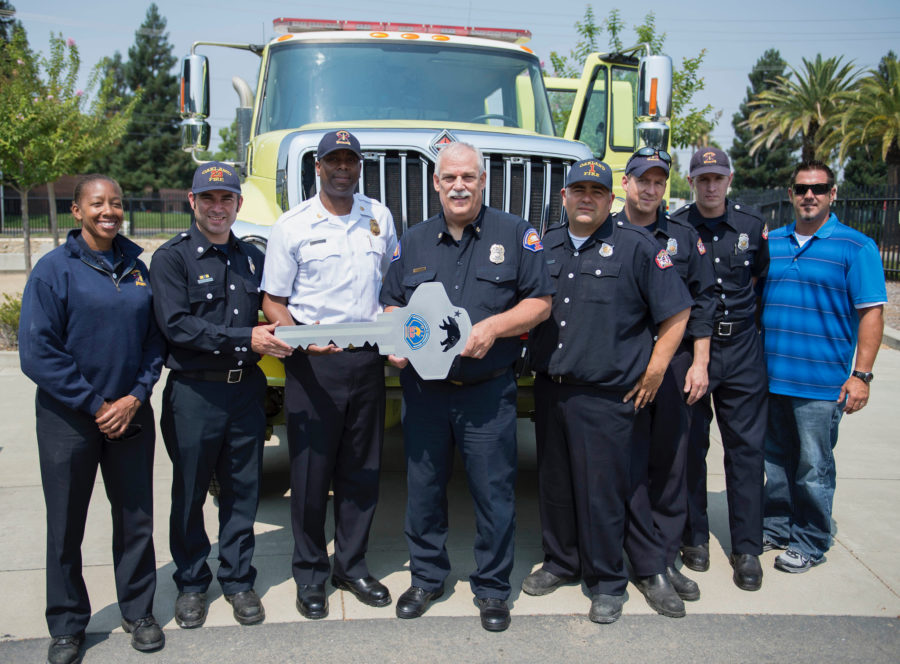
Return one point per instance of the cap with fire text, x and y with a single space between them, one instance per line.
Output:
590 170
710 160
216 175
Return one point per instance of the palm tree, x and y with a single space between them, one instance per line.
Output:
873 114
807 103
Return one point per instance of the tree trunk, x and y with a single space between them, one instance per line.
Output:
26 232
51 203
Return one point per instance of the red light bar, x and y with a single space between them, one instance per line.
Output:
296 25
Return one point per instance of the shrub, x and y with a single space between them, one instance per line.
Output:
10 309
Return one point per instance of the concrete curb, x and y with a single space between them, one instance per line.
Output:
891 338
9 359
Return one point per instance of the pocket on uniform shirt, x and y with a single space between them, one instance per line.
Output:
207 293
741 261
596 284
413 279
497 286
321 263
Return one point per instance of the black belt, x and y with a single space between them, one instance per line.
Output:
481 379
227 376
725 329
565 380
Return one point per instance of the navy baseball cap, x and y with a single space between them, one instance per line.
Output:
645 159
709 160
590 170
338 140
216 175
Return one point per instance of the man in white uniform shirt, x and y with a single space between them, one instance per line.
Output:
324 264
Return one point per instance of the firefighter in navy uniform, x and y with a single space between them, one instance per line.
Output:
736 246
492 264
597 367
657 508
325 261
206 300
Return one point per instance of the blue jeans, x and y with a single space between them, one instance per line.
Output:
800 474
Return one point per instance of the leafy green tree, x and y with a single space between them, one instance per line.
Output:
807 104
151 158
8 23
44 129
767 168
690 125
872 118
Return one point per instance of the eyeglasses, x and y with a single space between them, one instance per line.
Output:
818 189
649 152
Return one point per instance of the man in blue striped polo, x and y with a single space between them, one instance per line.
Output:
823 297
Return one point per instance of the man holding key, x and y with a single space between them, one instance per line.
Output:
491 264
324 264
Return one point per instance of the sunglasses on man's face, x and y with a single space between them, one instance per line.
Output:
818 189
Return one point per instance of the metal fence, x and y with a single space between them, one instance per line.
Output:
145 214
874 211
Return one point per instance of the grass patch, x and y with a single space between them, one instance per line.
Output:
10 310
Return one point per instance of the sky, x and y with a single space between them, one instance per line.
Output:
734 33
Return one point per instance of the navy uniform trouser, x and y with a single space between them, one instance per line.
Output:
739 390
70 448
335 424
657 507
214 427
584 457
480 420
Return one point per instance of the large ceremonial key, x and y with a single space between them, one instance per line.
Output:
429 331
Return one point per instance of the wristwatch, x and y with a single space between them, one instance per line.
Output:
864 376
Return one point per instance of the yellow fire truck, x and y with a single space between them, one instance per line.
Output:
405 91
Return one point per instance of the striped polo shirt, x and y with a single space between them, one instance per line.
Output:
810 296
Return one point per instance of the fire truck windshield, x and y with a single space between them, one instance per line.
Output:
325 81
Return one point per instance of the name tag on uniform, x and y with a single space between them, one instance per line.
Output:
204 279
416 270
320 241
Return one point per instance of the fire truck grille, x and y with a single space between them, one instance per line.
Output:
525 186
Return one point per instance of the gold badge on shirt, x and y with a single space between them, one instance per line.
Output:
743 242
606 250
672 246
498 253
252 265
373 226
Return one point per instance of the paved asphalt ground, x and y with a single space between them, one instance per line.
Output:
844 610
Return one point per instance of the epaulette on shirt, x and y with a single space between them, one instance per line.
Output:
171 242
747 210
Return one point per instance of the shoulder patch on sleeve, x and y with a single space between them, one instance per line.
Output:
701 248
396 255
765 232
662 260
532 241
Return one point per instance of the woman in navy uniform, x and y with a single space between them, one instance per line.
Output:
87 337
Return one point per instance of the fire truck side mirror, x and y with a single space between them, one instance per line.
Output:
655 87
194 106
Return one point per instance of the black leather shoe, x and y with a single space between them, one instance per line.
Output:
65 649
494 614
661 596
145 633
606 609
368 590
415 601
542 582
747 571
696 557
687 589
190 610
248 609
311 601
